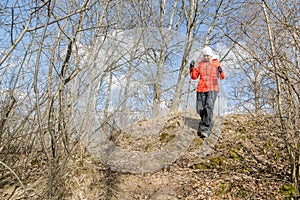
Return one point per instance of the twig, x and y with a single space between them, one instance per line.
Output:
15 176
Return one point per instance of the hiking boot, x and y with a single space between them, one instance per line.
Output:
203 130
202 134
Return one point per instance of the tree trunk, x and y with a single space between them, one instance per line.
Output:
191 16
293 158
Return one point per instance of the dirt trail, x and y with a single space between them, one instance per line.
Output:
151 145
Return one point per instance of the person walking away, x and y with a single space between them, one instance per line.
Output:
209 70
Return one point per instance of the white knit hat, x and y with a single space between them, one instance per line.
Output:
207 51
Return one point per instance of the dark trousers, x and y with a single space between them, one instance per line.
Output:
205 108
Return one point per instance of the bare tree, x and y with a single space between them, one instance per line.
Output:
250 85
270 37
45 35
64 59
191 13
204 16
288 98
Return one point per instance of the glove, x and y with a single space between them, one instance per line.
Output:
220 69
192 64
221 73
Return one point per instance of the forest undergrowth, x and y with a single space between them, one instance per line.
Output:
249 161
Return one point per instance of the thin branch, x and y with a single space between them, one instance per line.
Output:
22 185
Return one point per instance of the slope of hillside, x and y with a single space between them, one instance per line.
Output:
247 161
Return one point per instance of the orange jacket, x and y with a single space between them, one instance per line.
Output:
208 72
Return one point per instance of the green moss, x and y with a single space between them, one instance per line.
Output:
197 142
288 191
226 188
242 194
268 146
172 126
128 136
246 171
163 136
223 189
252 123
213 163
166 137
168 168
277 154
201 166
249 136
148 146
217 161
235 155
241 130
222 146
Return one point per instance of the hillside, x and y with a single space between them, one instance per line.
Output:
246 161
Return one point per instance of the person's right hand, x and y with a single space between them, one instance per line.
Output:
222 75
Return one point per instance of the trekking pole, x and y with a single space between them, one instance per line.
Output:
219 123
188 92
187 96
219 117
189 87
186 104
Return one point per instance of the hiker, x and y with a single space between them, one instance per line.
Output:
209 70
